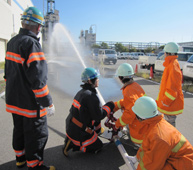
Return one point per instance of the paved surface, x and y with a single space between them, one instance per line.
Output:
109 158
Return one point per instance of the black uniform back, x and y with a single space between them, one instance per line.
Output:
87 109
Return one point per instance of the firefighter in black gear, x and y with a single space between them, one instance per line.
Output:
27 94
83 124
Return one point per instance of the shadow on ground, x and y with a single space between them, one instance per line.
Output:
108 158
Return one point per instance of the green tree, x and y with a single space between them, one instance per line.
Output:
148 50
162 47
95 46
121 48
133 50
104 45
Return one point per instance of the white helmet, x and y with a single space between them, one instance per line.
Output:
125 70
171 47
145 107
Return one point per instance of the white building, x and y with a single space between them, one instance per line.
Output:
10 14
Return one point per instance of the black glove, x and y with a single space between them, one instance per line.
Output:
111 105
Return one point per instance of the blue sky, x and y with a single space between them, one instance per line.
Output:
127 20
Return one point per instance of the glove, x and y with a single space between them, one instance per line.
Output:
50 110
111 105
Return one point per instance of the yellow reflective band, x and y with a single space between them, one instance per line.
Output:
141 154
118 104
170 113
122 123
179 145
145 95
37 16
136 140
157 98
169 96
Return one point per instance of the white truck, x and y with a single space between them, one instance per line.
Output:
182 59
147 61
188 69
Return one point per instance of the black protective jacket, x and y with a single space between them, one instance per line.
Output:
86 108
26 74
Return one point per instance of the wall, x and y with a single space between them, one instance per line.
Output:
10 14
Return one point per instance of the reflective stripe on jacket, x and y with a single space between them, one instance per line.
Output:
163 147
27 93
170 100
87 109
131 92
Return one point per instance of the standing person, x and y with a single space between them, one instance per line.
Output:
163 147
170 99
83 124
27 94
131 92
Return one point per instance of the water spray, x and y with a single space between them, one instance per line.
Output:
116 140
79 56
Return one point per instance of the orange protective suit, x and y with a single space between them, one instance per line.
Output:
163 147
170 100
131 92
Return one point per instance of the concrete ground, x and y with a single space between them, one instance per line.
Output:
109 158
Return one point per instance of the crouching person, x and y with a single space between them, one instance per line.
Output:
83 124
163 147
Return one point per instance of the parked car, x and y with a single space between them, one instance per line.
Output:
107 56
188 69
135 55
123 55
182 59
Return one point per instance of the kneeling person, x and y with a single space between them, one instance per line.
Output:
83 123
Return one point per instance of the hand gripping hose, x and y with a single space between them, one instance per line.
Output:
109 123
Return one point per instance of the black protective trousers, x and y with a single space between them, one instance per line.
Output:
30 134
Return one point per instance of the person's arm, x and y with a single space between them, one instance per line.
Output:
94 107
172 86
128 116
35 68
153 155
118 105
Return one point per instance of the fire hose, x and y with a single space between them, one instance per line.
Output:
109 123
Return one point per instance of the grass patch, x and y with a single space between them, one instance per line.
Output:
188 87
2 86
2 65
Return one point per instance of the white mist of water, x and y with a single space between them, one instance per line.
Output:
60 29
65 31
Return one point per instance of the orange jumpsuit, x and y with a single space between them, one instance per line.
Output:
170 100
163 147
131 92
